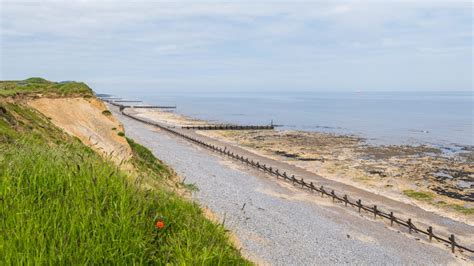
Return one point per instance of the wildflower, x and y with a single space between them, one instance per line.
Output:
159 224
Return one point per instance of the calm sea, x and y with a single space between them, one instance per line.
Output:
437 118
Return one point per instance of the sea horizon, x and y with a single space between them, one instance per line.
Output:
437 118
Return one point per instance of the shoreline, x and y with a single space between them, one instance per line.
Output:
401 172
448 148
250 202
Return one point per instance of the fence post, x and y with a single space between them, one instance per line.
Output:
359 204
430 232
345 200
409 225
375 211
302 183
312 186
391 218
333 195
453 243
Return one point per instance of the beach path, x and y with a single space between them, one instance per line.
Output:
276 223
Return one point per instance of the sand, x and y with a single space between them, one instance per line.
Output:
392 171
278 224
84 119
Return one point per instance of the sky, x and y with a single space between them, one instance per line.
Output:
123 46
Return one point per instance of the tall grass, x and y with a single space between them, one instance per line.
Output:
145 161
61 203
34 86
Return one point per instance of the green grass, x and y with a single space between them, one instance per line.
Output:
106 113
61 203
456 207
429 197
190 186
145 161
423 196
121 134
33 86
17 120
37 80
462 209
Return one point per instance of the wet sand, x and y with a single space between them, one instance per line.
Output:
419 175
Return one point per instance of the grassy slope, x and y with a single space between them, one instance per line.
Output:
62 203
39 85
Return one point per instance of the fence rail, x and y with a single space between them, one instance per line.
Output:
229 127
373 209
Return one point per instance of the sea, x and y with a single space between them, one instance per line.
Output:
442 119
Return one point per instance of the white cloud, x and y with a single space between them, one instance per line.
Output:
214 42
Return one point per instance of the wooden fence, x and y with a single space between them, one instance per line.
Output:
229 127
323 191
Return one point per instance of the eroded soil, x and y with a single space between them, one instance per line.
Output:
90 121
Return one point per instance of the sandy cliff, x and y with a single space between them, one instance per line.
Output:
89 120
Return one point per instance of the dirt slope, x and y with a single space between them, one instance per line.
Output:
86 119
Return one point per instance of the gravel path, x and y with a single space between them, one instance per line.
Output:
280 224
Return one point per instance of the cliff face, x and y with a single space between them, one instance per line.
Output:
65 204
89 120
72 107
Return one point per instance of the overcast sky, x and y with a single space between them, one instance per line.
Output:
118 46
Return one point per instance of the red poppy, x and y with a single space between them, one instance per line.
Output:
159 224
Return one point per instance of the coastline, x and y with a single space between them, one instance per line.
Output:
418 175
77 190
267 215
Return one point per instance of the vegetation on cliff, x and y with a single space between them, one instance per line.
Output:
60 202
44 87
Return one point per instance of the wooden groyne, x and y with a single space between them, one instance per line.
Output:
122 106
149 106
337 198
119 102
229 127
109 98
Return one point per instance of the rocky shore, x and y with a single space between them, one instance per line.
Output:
275 223
421 175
